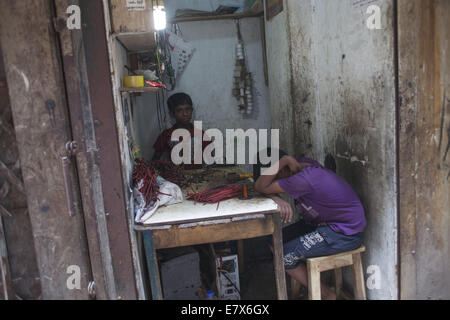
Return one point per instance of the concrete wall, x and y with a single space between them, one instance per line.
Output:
332 91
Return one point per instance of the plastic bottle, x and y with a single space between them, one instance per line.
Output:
210 295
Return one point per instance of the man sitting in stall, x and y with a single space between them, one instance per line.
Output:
333 216
181 109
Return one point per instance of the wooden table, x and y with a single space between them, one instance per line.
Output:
190 223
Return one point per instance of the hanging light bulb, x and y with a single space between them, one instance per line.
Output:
159 17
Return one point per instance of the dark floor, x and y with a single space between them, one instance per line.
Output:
258 281
257 277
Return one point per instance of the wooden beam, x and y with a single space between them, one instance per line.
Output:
139 89
42 128
11 177
106 113
126 165
336 261
216 17
278 261
6 127
18 226
73 59
152 265
8 291
176 237
4 190
423 143
4 212
264 49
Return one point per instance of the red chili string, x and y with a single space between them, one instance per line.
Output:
143 172
218 194
169 171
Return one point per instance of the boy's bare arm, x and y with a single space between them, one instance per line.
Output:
267 184
284 207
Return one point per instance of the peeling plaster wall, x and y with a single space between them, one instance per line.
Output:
280 99
332 91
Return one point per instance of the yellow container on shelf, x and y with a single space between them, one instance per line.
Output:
133 81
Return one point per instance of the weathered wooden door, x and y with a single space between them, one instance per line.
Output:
62 104
424 147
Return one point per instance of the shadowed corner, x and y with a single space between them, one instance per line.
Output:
330 163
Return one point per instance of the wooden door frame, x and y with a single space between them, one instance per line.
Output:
70 99
110 231
37 94
423 141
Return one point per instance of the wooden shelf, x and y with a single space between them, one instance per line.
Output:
137 41
216 17
139 89
146 40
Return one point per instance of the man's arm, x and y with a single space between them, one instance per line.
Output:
284 206
267 184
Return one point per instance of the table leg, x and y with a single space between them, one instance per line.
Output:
280 276
152 265
240 244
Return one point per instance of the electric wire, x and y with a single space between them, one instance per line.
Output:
224 272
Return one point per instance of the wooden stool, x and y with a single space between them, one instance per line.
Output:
335 262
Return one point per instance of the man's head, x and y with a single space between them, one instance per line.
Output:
180 107
283 173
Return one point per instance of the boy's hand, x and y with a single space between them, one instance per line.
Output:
293 164
285 209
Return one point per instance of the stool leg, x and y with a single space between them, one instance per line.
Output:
338 281
313 282
359 288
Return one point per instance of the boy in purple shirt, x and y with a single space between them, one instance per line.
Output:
325 201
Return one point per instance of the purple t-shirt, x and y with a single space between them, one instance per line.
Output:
322 196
